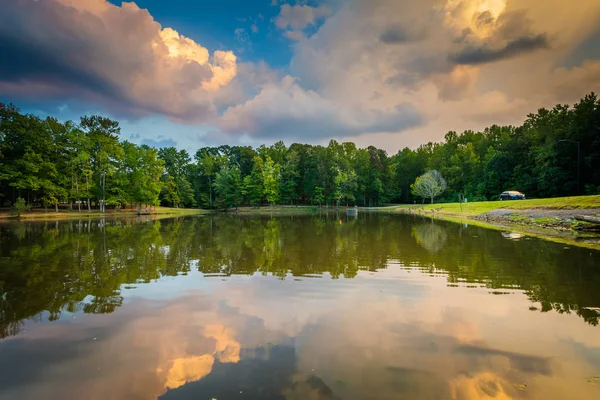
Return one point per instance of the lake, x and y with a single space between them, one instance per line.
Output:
295 307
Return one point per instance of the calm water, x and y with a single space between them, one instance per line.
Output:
379 307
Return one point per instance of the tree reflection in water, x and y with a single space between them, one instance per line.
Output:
85 265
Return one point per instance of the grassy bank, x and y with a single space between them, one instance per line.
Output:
548 218
483 207
62 214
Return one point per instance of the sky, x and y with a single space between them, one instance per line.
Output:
388 73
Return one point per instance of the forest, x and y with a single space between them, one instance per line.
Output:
85 165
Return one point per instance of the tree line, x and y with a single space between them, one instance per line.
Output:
555 152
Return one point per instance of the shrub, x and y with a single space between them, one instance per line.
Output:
18 207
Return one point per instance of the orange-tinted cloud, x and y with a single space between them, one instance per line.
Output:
117 56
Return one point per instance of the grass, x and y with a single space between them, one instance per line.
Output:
544 227
519 218
546 220
64 214
540 232
482 207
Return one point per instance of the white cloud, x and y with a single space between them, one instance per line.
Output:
295 35
298 17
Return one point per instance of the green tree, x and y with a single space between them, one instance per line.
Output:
319 197
345 183
429 185
228 187
169 194
253 184
176 170
104 151
271 175
18 207
290 176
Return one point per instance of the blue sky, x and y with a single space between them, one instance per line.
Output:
389 73
213 23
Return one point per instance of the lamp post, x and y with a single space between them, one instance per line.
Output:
578 161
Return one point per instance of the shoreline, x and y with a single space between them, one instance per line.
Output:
40 215
549 219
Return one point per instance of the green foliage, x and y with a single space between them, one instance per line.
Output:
270 174
169 194
47 162
252 187
18 208
319 198
429 185
180 192
290 177
345 186
228 187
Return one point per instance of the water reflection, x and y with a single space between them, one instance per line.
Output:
84 265
430 236
403 311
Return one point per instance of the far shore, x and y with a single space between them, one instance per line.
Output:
41 215
557 219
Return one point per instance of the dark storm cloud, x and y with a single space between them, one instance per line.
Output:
22 60
475 55
513 36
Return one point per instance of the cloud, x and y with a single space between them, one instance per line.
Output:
298 17
117 56
383 72
394 34
498 37
487 54
242 39
285 109
445 61
295 35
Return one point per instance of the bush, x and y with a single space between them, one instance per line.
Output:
18 207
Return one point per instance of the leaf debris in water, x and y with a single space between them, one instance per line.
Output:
521 386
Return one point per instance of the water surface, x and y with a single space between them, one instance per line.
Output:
315 307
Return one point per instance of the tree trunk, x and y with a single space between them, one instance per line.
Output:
89 204
77 191
431 199
56 207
